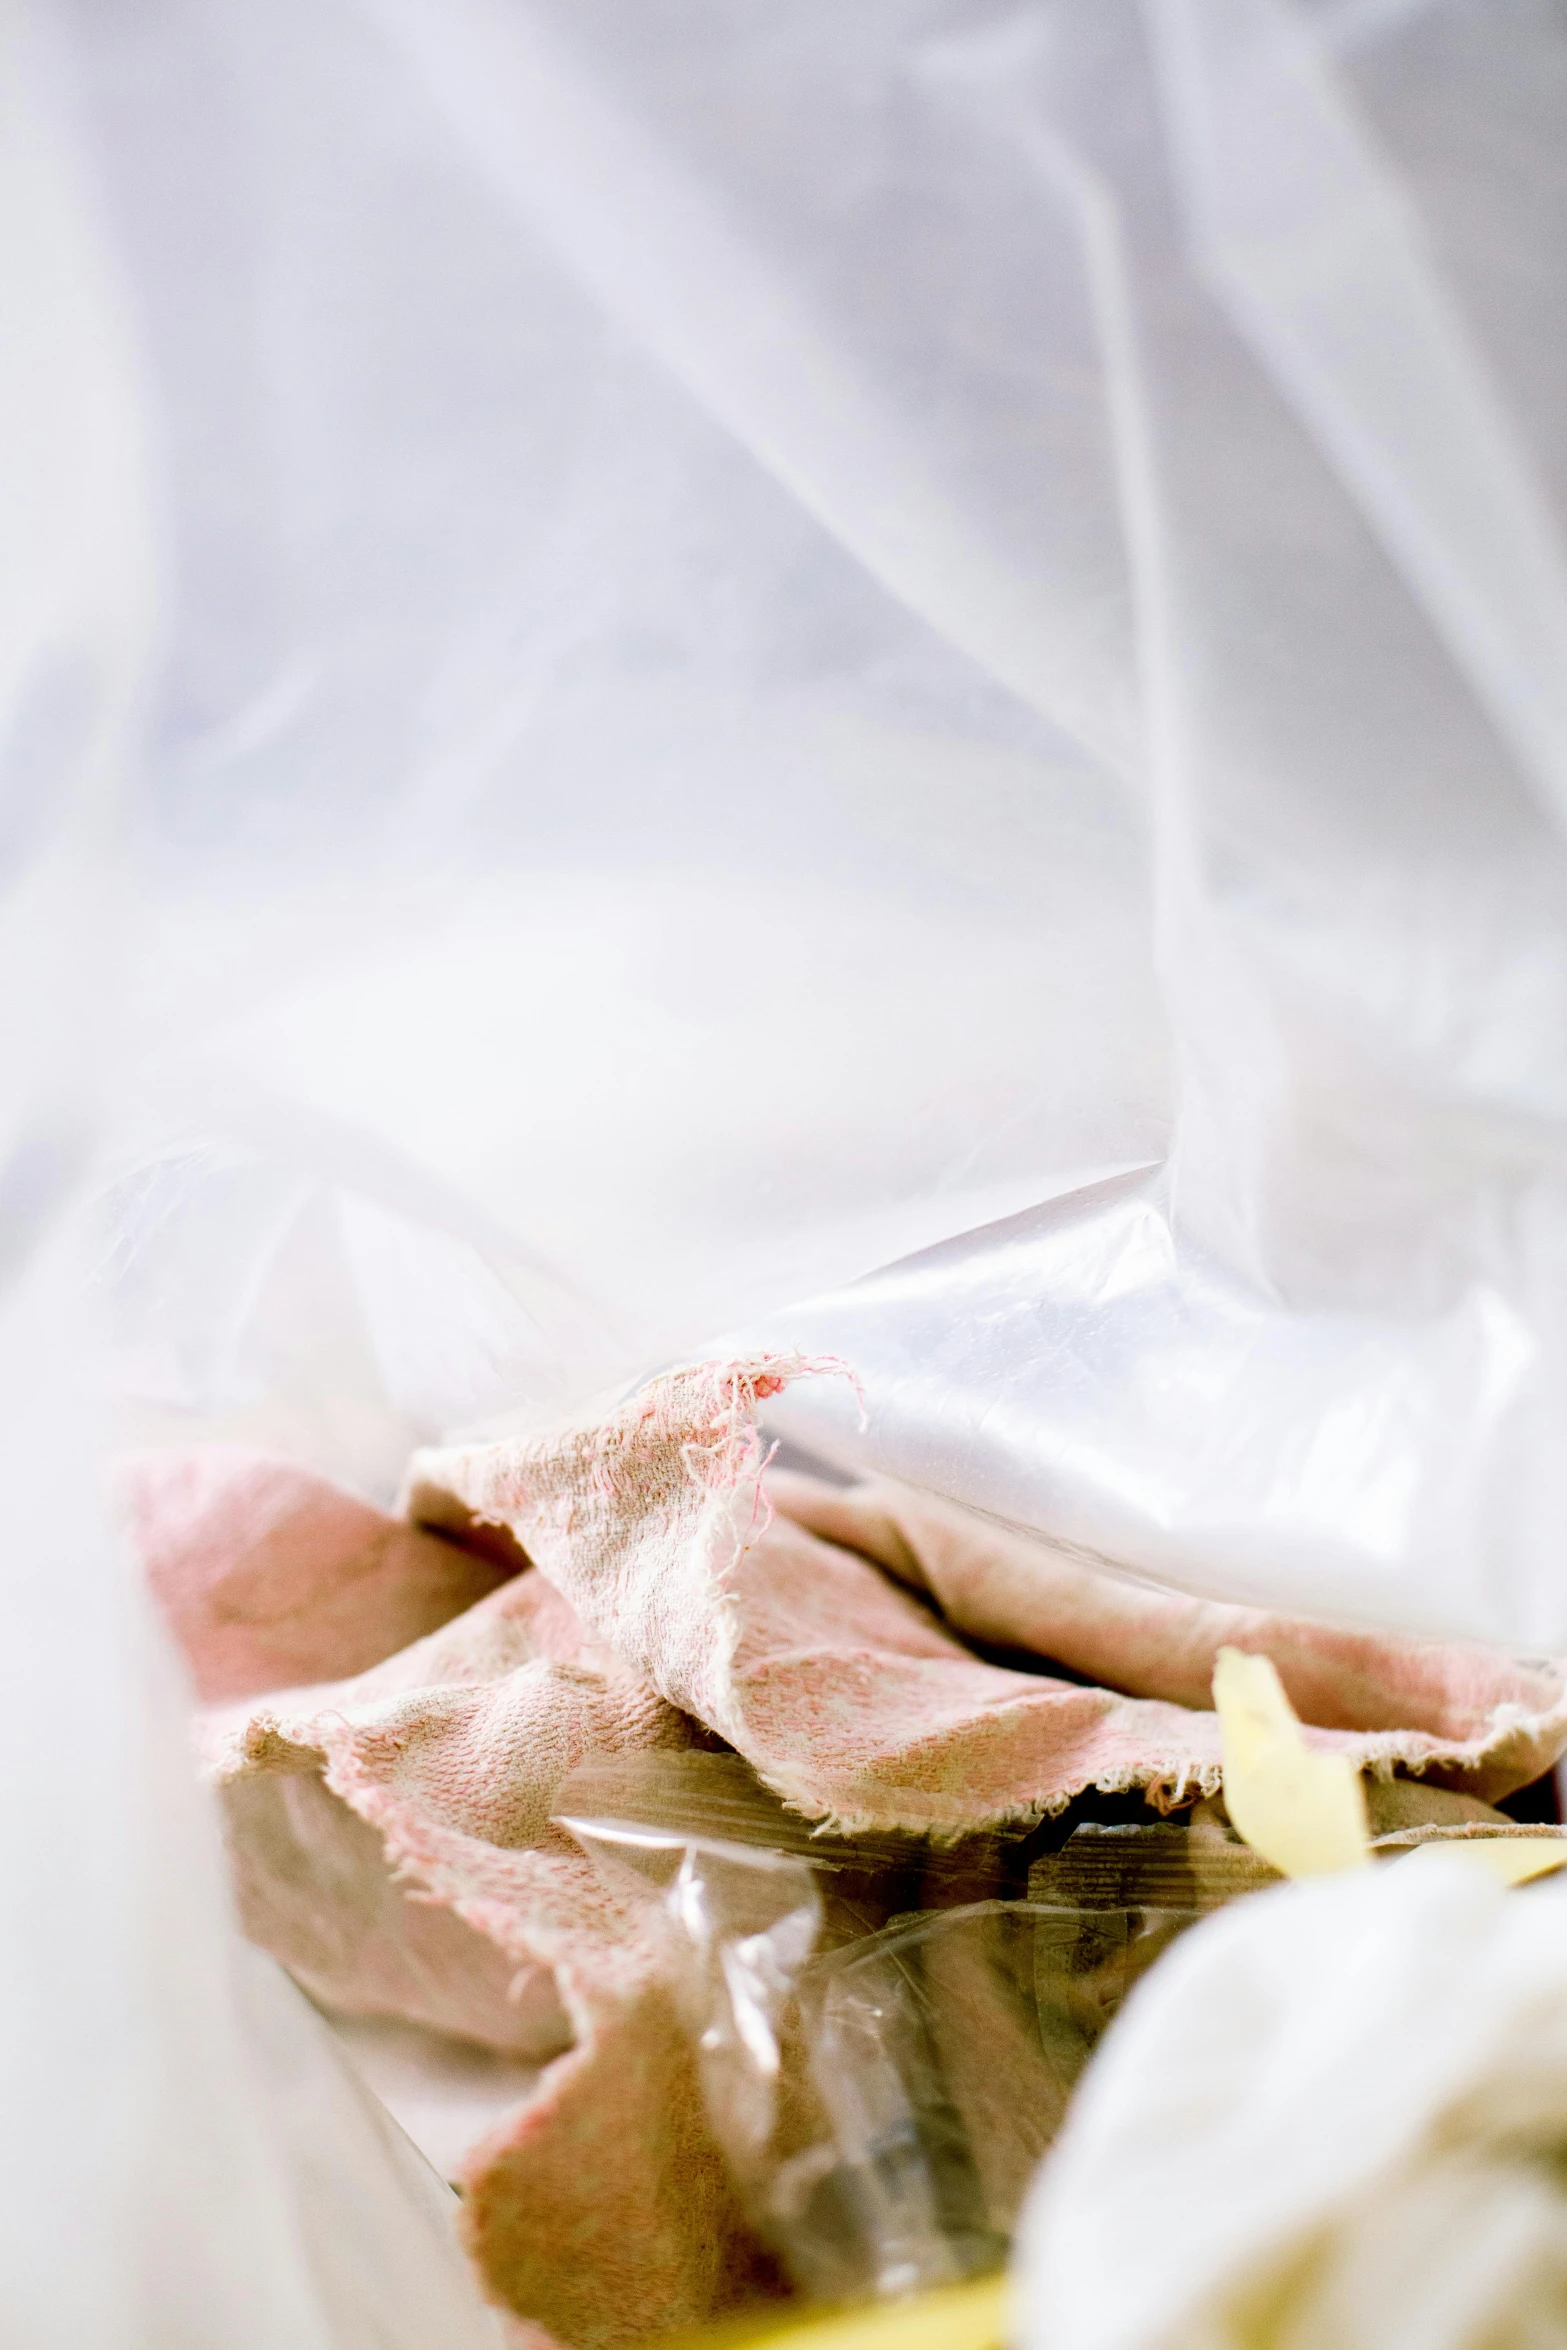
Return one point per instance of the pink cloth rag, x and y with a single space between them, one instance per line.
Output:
389 1840
390 1828
268 1574
775 1624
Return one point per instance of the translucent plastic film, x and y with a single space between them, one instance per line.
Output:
786 641
884 2058
844 2074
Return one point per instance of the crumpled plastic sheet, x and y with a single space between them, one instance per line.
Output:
1338 2111
913 614
651 661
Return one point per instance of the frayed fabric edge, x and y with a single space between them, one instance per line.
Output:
1167 1787
710 1403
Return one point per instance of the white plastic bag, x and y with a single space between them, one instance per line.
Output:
1336 2116
652 657
785 641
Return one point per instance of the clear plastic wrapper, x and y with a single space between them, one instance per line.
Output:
1176 1866
643 1811
884 2095
930 2091
1111 1901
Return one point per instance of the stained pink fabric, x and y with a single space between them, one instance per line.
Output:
269 1575
855 1698
390 1842
1460 1715
436 1769
390 1828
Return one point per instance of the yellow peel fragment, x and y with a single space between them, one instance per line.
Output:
974 2316
1303 1811
1514 1859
